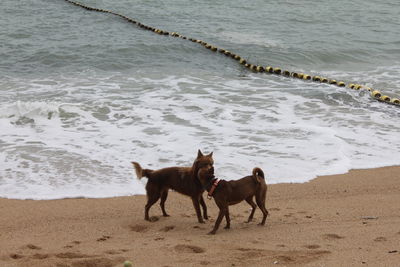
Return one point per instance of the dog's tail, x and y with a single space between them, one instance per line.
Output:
141 172
258 174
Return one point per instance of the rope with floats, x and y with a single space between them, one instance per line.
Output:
375 94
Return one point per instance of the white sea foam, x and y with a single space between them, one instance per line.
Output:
292 129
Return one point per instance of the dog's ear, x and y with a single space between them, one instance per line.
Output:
199 154
210 155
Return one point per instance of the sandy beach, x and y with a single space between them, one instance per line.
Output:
341 220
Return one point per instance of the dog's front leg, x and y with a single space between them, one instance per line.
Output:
196 205
221 215
204 206
228 219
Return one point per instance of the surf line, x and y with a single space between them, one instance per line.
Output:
375 94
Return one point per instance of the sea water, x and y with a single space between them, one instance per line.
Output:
82 94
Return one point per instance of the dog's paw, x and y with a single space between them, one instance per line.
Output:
211 233
153 219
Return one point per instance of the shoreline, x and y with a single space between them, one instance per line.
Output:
346 219
134 195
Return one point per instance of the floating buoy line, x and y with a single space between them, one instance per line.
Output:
375 94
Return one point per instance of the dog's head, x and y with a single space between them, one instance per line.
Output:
203 167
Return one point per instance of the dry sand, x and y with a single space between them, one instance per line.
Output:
341 220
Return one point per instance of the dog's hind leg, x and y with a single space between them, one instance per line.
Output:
164 195
204 206
253 206
153 194
261 204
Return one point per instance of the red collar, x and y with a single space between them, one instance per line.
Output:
214 185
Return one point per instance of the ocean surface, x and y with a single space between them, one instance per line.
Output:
84 93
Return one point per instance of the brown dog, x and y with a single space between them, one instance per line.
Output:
184 180
228 193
